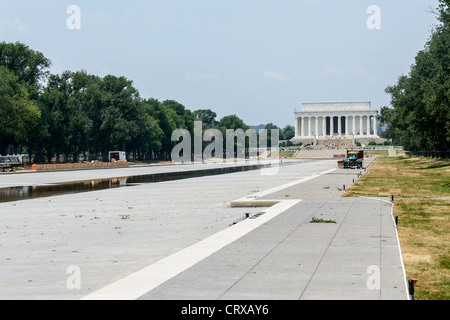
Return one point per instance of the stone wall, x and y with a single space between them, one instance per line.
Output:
74 166
321 154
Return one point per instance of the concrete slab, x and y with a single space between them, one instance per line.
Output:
112 234
353 258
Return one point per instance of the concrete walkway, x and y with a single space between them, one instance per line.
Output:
352 253
170 240
289 257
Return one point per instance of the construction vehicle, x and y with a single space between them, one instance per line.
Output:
353 159
10 161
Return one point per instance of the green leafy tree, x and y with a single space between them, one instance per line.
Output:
420 114
168 121
75 112
269 127
19 114
30 69
287 133
148 139
207 116
233 122
385 120
185 118
69 126
30 66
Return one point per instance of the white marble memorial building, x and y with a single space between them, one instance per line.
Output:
345 119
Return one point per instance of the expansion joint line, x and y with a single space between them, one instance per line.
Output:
276 245
141 282
326 250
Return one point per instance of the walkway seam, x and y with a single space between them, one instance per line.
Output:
275 246
141 282
326 250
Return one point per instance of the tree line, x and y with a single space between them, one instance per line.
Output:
419 116
52 115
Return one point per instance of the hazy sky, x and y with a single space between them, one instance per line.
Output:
259 59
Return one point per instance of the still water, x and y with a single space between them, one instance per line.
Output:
29 192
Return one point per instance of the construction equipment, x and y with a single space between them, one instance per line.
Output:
10 161
353 159
117 156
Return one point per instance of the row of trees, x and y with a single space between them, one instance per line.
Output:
73 113
419 118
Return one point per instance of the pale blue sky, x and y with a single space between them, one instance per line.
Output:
259 59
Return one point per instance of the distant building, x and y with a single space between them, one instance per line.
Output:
325 120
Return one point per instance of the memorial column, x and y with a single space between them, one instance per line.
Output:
375 131
324 126
316 133
339 125
346 126
360 125
331 126
309 126
302 130
354 125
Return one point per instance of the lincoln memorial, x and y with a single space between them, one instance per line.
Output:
344 119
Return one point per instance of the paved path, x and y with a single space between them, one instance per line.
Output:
124 240
291 258
354 256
